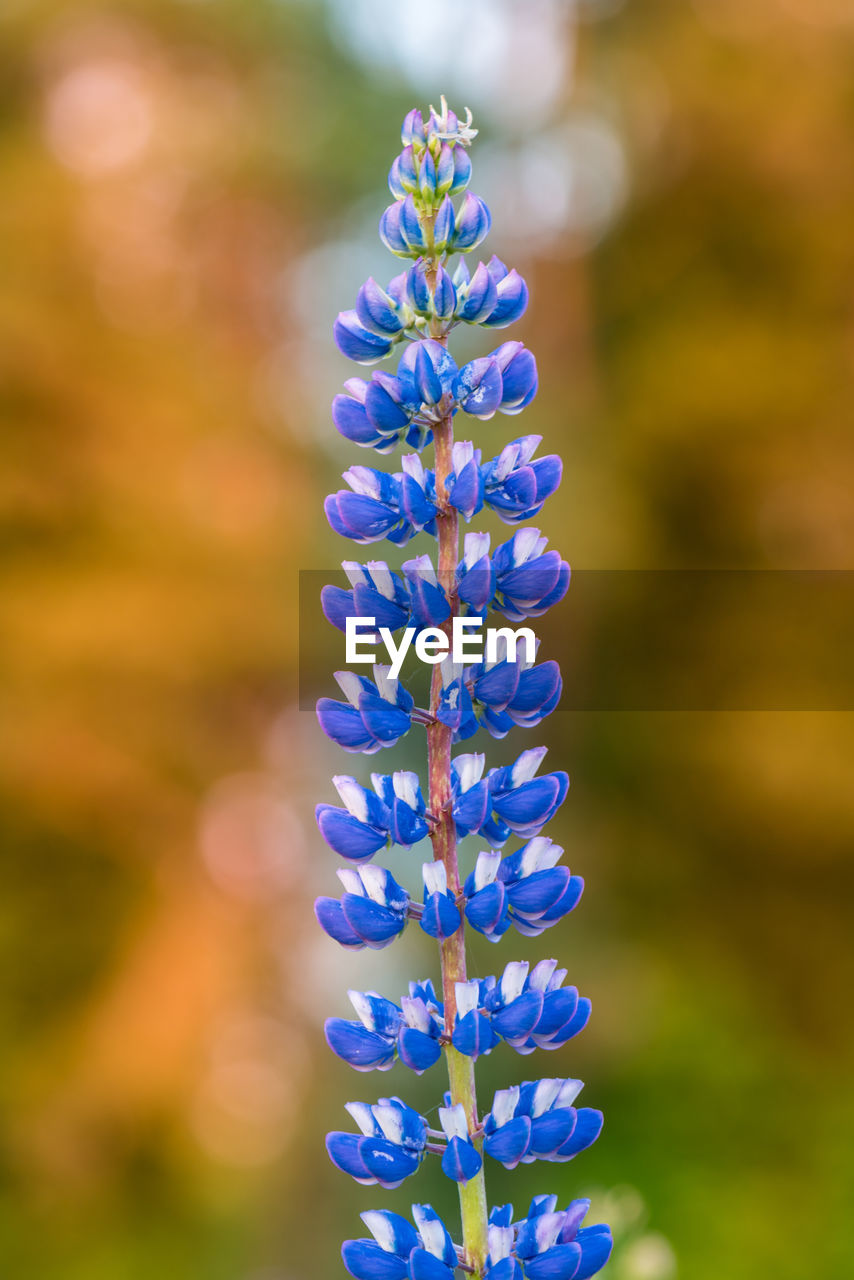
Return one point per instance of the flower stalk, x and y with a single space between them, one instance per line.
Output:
528 889
461 1071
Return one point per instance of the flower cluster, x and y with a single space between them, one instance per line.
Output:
528 889
397 506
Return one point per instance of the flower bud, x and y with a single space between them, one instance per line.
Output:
391 233
511 301
443 225
356 342
427 178
377 311
462 171
445 170
472 224
412 130
411 228
479 297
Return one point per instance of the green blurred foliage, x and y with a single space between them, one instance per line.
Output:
170 169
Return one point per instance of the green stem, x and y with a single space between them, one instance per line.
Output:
461 1073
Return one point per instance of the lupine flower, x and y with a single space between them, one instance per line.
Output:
475 575
386 1031
429 606
455 707
465 484
398 1250
518 376
376 593
527 889
371 913
441 917
392 1146
520 801
375 715
552 1245
537 1121
514 486
397 506
516 693
472 224
380 505
427 387
527 1011
394 814
358 343
461 1160
529 579
367 1045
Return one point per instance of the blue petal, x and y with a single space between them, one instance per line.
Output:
573 1025
363 1049
343 724
506 1269
559 1006
550 1131
511 303
387 1162
498 685
560 1263
486 907
587 1129
391 233
443 224
472 224
529 803
369 603
441 918
357 343
509 1143
382 407
536 686
392 1230
473 1035
462 170
344 1152
375 312
337 605
596 1245
479 387
517 1020
430 606
331 918
346 835
417 1050
568 900
384 721
365 1260
481 296
425 1266
407 827
410 226
539 891
371 922
460 1161
471 808
351 420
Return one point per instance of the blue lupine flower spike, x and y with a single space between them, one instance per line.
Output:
402 322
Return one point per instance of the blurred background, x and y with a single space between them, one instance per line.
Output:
190 193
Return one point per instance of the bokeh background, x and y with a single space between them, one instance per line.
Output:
190 193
